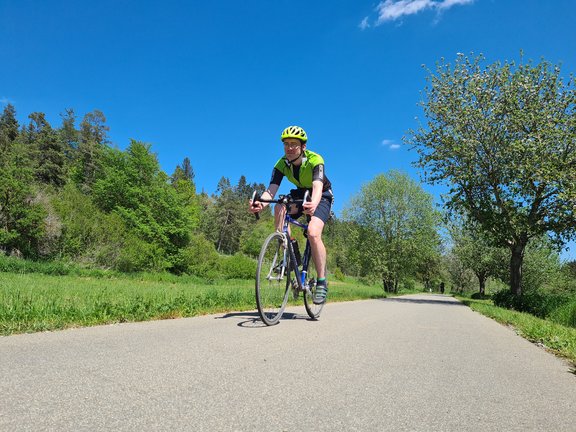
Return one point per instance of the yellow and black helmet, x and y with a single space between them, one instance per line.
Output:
294 132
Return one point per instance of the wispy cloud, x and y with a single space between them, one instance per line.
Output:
5 101
392 10
390 144
364 24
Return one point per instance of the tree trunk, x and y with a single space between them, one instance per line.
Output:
221 236
482 282
516 267
388 285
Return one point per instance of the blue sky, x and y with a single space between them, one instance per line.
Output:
218 81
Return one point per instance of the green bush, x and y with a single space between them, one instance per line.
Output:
88 235
252 239
18 265
409 285
138 255
53 268
565 315
199 258
339 275
537 303
238 266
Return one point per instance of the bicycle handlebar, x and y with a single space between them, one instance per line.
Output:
282 199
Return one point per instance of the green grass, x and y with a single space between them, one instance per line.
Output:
555 337
31 302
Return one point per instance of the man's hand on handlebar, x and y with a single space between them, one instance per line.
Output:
309 207
255 205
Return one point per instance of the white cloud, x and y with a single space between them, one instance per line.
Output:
364 24
391 10
390 144
5 101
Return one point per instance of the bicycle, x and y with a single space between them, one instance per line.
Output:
279 257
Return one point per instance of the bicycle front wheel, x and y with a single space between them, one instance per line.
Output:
272 279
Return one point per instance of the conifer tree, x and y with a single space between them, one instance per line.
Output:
47 150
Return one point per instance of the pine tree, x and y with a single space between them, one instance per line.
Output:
68 133
8 126
188 170
47 150
93 139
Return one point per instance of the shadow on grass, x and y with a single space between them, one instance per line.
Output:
252 319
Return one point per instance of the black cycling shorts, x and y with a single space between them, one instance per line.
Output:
324 209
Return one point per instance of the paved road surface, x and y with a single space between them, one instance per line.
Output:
415 363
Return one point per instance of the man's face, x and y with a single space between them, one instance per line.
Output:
292 147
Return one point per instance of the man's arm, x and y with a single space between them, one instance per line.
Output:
268 194
310 207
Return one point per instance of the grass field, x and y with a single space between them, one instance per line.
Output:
31 302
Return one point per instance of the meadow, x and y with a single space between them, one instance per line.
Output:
32 302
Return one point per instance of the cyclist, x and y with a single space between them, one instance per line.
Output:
305 169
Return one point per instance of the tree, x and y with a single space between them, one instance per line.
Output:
461 276
184 172
184 185
21 218
226 215
47 150
68 133
93 140
503 138
8 127
132 185
398 223
188 170
475 251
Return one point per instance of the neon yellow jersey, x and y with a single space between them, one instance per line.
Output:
303 175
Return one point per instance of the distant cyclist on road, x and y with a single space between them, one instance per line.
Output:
305 169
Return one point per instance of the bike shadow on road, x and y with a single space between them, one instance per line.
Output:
251 319
434 299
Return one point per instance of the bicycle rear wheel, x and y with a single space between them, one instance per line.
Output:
312 309
272 279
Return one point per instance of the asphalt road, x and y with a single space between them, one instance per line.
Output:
415 363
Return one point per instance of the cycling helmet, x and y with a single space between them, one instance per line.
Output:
294 132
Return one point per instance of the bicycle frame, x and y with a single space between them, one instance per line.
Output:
289 220
300 275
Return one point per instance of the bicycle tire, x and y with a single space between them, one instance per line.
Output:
312 309
272 279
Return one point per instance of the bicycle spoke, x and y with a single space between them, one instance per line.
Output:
272 280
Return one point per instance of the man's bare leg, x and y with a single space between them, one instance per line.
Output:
315 228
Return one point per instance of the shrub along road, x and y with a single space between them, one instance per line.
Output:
413 363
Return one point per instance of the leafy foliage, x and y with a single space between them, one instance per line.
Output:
21 218
537 303
397 228
503 138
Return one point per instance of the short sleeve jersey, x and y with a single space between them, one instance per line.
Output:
312 168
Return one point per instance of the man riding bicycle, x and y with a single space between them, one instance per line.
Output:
305 169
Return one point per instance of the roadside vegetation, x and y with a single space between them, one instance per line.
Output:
33 301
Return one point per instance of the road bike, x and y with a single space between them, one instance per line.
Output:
281 269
